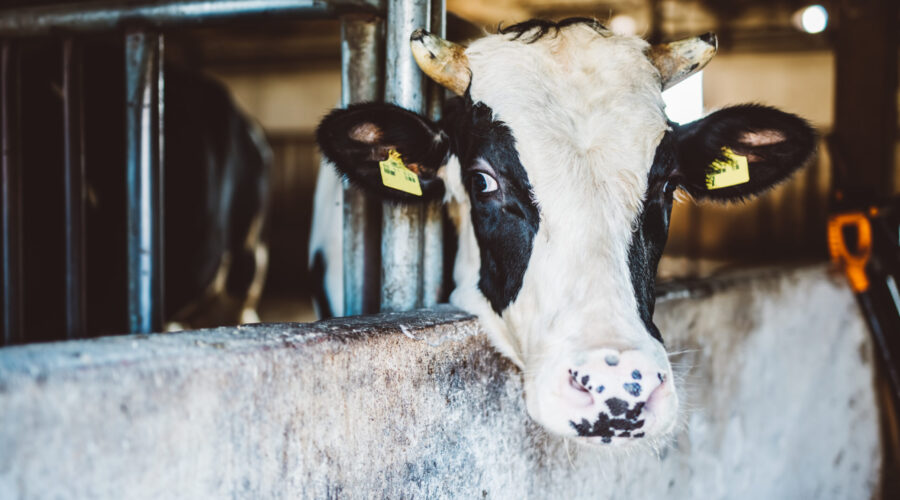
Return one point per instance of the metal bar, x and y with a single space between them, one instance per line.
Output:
10 196
362 79
144 123
438 26
73 174
402 228
111 14
433 232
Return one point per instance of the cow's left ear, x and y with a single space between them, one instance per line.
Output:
741 151
386 150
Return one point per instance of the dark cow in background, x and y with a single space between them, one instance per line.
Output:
216 189
558 166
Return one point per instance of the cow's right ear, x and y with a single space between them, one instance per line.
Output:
358 139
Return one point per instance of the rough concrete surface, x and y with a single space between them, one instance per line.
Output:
777 377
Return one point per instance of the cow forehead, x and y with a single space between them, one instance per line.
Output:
585 109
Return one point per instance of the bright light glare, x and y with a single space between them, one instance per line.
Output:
814 19
684 102
623 25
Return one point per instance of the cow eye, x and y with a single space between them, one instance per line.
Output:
484 183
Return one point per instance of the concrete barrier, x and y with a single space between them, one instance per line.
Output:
777 373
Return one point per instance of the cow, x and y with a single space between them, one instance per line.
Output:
216 187
558 166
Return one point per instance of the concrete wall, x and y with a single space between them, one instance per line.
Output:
777 371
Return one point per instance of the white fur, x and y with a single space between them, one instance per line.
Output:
326 235
587 115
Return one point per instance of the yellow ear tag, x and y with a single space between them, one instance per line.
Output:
395 175
733 171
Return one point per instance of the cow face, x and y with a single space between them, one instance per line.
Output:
558 167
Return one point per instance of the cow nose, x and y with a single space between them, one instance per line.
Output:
616 396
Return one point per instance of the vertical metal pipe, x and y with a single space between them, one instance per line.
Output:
438 26
362 79
402 231
144 124
433 232
10 196
73 174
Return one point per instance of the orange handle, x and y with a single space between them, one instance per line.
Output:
854 263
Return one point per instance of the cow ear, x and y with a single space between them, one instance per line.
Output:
741 151
377 146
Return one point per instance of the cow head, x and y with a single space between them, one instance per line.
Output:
558 167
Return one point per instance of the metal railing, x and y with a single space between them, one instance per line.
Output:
411 247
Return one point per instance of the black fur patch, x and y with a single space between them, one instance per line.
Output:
652 230
682 159
505 221
700 143
419 141
317 277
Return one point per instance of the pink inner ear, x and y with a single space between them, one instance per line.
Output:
367 133
762 138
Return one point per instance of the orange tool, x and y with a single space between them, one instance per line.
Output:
852 256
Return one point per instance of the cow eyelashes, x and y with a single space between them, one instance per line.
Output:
483 183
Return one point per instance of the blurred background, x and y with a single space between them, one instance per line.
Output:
833 63
776 52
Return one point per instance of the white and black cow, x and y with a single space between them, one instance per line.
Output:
558 167
217 164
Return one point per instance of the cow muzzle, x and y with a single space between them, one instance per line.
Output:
610 397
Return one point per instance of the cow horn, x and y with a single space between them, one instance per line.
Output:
681 59
444 62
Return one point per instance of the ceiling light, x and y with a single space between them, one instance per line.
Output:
812 19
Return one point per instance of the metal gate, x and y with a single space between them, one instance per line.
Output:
374 36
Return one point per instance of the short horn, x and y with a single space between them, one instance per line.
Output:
681 59
444 62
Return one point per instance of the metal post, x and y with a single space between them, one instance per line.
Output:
10 195
433 251
144 123
402 231
73 173
438 26
362 79
112 14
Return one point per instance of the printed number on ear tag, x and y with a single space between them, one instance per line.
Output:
395 175
731 172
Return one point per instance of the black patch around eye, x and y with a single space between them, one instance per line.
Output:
651 231
505 221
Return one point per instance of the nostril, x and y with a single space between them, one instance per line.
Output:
578 392
658 395
575 385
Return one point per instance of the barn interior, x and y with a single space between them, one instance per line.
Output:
286 75
832 62
765 56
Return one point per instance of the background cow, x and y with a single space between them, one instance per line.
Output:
216 189
559 167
